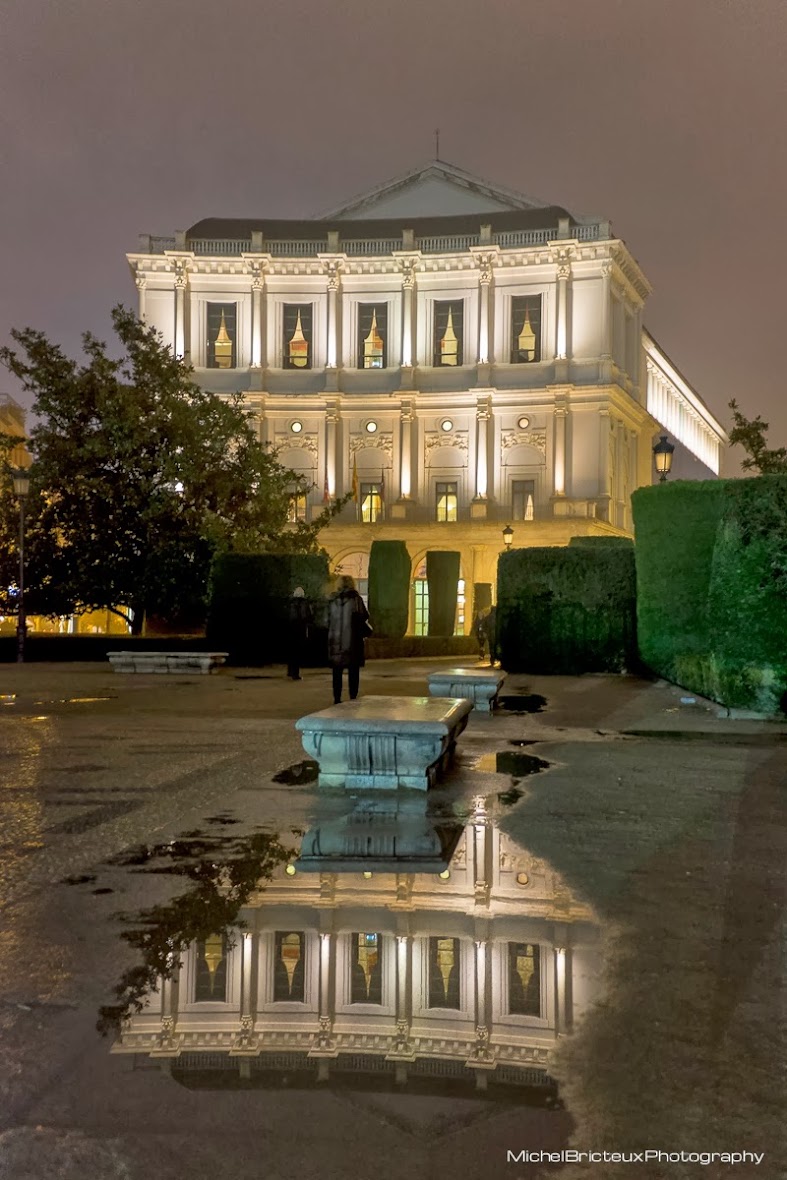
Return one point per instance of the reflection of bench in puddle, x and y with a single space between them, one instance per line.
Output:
478 685
381 834
190 662
384 742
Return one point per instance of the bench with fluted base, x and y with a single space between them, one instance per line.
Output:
191 662
479 685
384 742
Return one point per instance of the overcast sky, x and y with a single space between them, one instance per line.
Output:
666 116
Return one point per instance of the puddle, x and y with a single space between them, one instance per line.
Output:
221 819
507 762
301 772
104 889
523 742
523 704
79 879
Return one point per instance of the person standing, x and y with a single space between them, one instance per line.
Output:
348 626
299 618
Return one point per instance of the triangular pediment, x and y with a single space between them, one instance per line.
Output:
435 190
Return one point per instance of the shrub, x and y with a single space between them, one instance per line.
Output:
567 610
442 576
389 588
248 604
712 587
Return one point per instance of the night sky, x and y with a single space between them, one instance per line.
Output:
667 116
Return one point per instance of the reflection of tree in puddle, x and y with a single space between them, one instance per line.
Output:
356 963
682 1051
220 889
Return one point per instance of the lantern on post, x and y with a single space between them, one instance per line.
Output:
662 457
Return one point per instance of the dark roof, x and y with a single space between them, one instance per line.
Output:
463 223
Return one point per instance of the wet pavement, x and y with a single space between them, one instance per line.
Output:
574 943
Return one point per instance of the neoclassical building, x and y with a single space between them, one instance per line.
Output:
392 946
461 356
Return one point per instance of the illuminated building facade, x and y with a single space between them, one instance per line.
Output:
467 356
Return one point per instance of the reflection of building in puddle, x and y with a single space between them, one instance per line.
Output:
470 974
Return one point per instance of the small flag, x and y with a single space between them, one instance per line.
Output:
355 479
382 487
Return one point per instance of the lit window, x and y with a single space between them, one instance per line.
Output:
448 332
523 493
221 335
446 498
459 627
443 973
372 322
524 979
211 974
420 606
366 969
371 502
297 336
523 423
288 966
296 427
446 425
296 508
371 427
525 329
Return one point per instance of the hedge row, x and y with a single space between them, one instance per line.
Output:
389 588
712 587
567 610
249 597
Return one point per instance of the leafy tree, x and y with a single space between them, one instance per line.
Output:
750 434
140 477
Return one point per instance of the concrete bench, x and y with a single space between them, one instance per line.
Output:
190 662
384 742
479 685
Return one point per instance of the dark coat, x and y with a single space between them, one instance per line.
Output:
347 617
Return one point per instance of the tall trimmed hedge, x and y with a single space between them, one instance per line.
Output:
442 578
389 588
248 604
712 587
567 610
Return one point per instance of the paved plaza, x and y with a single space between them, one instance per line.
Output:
664 818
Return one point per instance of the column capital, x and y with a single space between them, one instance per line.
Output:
408 267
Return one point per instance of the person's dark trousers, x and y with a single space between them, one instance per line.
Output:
353 680
294 671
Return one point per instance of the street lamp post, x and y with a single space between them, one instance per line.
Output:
21 482
662 456
508 537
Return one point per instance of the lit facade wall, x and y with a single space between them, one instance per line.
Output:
548 429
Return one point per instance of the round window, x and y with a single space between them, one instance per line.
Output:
371 427
446 425
523 423
296 427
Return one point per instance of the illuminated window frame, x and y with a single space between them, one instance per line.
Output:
446 500
297 507
371 503
520 306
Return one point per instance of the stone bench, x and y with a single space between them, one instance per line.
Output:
189 662
384 742
479 685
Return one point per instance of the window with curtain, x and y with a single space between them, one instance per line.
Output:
448 325
221 335
523 498
525 329
366 968
211 973
372 335
443 973
297 344
288 966
524 979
